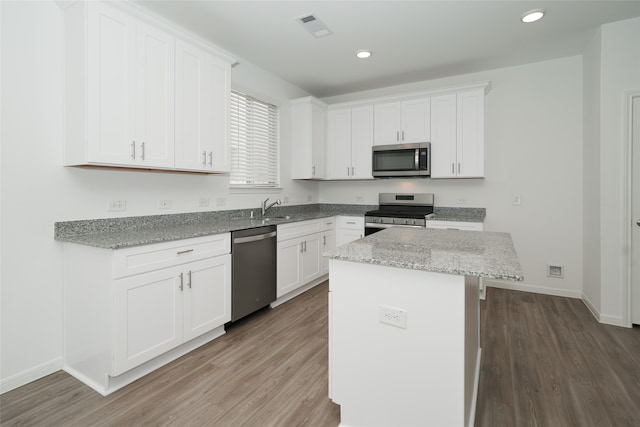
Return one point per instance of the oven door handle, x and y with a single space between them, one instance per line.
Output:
381 226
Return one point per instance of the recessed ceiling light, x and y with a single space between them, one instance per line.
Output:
363 53
533 15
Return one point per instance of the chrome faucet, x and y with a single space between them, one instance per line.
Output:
265 207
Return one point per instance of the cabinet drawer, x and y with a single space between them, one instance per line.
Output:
298 229
455 225
140 259
353 222
328 223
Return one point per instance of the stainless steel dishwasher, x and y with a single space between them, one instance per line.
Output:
253 279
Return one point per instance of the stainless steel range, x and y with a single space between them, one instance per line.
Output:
399 210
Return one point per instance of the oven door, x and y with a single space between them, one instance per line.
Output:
370 227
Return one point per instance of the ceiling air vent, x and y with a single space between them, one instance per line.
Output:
316 27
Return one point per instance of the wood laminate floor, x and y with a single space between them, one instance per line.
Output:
546 362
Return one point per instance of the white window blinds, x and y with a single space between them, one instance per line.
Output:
254 142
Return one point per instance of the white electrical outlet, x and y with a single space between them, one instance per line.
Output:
164 204
221 201
117 205
203 202
393 316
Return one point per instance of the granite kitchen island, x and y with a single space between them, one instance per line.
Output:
404 327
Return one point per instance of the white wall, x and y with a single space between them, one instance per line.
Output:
533 148
620 72
37 190
591 173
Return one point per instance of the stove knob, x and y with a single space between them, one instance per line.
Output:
413 222
405 222
393 220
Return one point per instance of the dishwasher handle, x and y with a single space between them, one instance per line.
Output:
254 238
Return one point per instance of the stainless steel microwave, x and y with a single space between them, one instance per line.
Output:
402 160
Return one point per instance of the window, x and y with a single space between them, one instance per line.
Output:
254 142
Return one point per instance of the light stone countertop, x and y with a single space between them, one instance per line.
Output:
467 253
124 232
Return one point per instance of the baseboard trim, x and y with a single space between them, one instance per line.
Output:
32 374
519 286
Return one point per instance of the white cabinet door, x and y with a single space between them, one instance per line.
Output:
308 133
148 317
470 134
202 102
155 97
361 141
457 135
207 295
339 143
328 243
289 271
443 136
387 123
111 74
345 235
416 121
219 93
311 257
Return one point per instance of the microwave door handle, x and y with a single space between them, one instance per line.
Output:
417 160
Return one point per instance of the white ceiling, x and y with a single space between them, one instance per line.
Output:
411 40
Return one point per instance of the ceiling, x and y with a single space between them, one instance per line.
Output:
411 40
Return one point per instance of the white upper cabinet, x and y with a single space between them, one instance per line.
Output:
308 135
202 104
154 97
457 135
349 142
402 122
121 88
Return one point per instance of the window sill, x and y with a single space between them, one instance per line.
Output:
255 190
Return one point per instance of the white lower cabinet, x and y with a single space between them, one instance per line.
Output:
455 225
159 310
461 225
130 311
348 229
300 248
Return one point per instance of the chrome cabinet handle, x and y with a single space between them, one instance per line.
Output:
313 170
458 167
204 158
181 282
133 149
211 158
305 246
403 135
184 252
301 248
351 222
142 147
324 240
352 171
189 283
453 168
397 135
